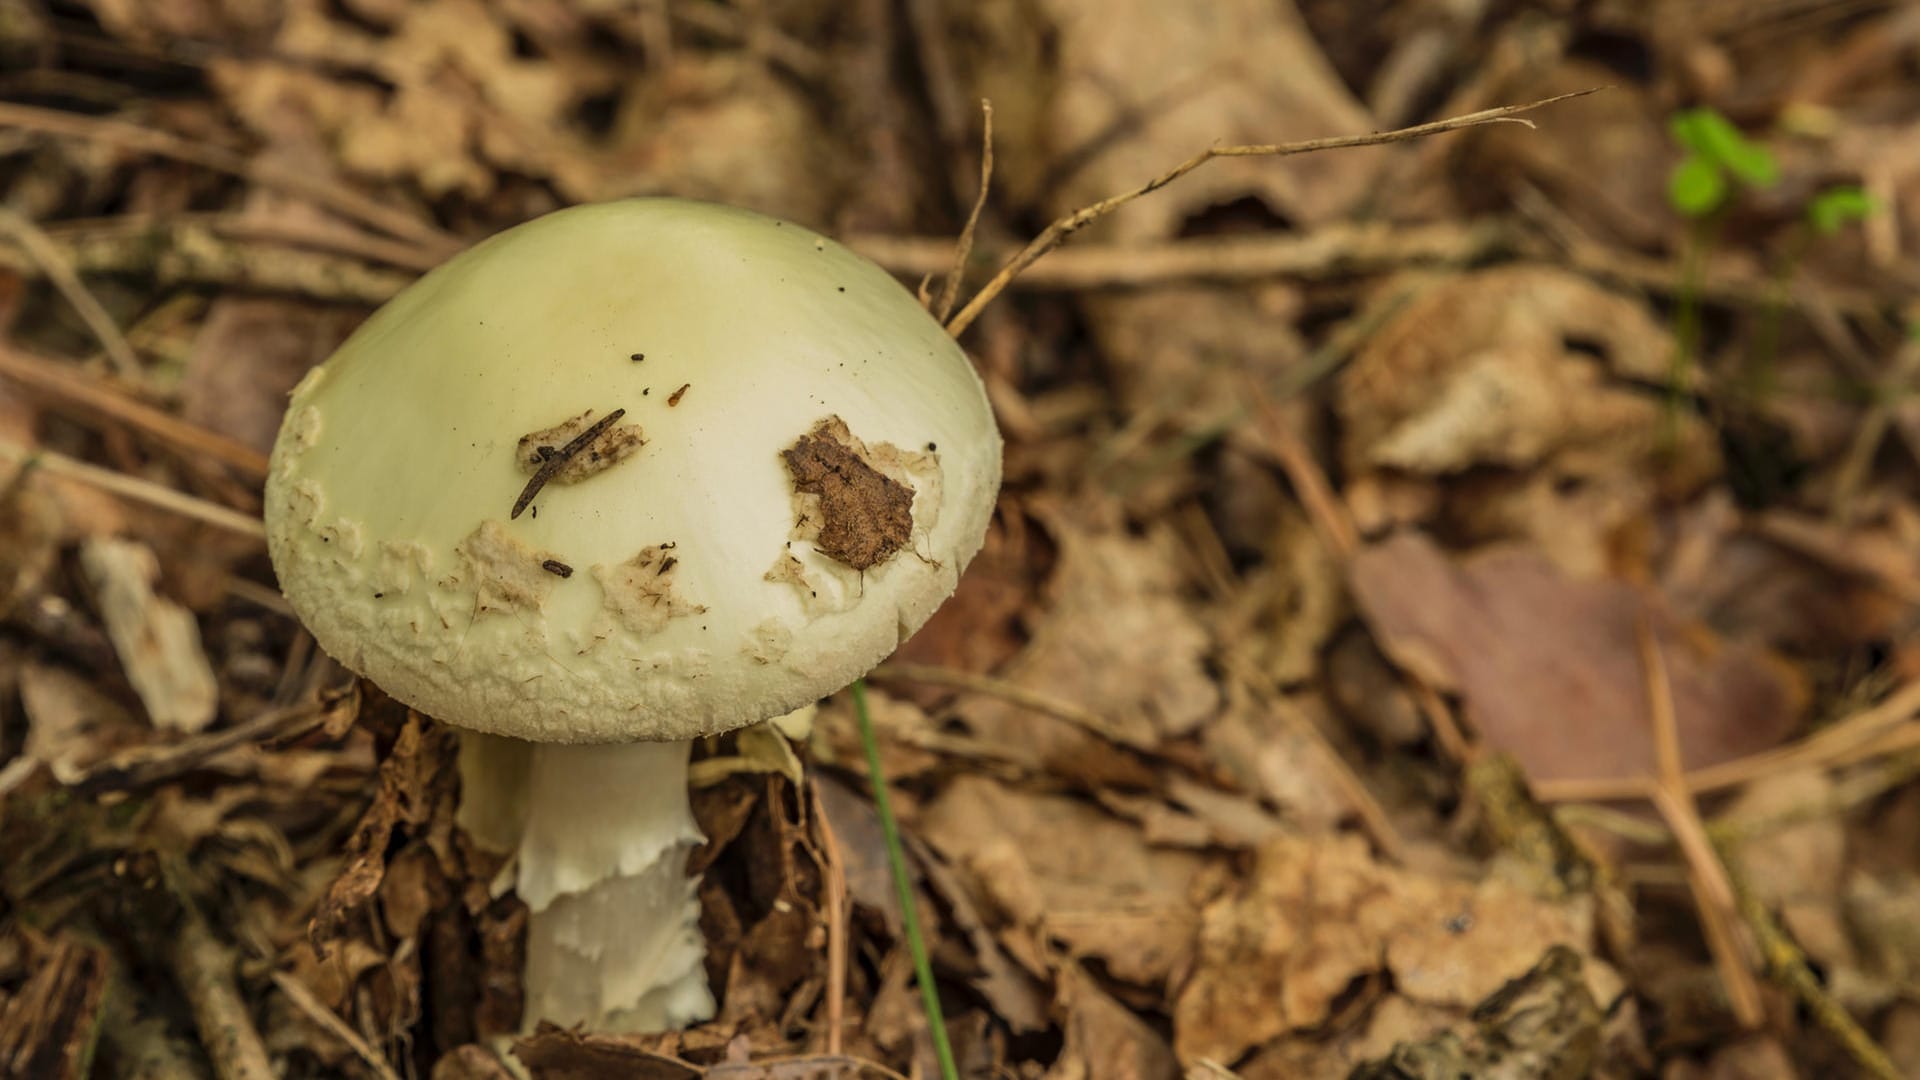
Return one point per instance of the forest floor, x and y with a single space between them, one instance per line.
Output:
1450 610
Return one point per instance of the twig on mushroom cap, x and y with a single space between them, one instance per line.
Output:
1055 234
552 462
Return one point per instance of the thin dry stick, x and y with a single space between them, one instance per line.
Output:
1712 890
1338 532
67 383
136 489
1019 695
304 184
963 250
1057 233
837 911
53 262
1338 248
204 967
1875 728
317 1011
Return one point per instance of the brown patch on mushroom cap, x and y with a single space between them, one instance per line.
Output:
506 574
615 445
864 515
639 592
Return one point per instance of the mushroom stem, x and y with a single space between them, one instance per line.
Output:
613 937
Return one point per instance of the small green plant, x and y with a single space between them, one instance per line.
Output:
1838 207
1720 162
1717 156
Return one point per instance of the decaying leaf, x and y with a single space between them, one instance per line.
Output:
48 1025
1509 366
1114 639
1067 871
415 778
157 640
1549 666
1318 914
1105 1040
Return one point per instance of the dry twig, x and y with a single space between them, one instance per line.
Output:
1057 233
838 909
1019 695
53 262
1712 890
1335 249
305 184
317 1011
137 490
963 250
1887 727
68 383
205 970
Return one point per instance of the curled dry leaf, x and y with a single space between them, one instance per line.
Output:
1549 666
415 779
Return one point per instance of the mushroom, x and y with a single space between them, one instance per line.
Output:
623 477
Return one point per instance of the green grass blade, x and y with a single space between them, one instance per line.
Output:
903 884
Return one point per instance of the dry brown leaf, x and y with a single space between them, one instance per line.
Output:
551 1053
1602 159
1115 639
1268 748
1140 86
1477 370
1318 914
1798 869
1549 666
1071 873
462 101
48 1024
416 777
1104 1039
157 640
1123 91
71 725
29 537
724 128
248 355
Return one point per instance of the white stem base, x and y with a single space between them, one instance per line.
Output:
613 941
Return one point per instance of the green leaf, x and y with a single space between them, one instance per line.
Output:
1697 186
1837 207
1710 135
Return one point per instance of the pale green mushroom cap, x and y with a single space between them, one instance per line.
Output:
686 587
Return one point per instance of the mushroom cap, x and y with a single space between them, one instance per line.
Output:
805 463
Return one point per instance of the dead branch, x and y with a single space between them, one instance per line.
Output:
136 489
72 385
53 262
307 185
204 967
1057 233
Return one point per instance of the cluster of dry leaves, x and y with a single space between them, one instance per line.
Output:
1386 661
